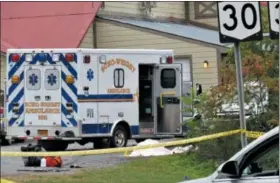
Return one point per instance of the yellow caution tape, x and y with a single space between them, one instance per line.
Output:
126 150
123 149
253 134
6 181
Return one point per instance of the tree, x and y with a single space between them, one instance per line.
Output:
259 65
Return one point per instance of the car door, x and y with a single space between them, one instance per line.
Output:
260 165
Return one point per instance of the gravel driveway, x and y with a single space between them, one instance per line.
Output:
11 165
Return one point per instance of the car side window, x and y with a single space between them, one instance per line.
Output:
263 162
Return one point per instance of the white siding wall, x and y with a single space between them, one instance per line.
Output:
87 41
163 9
115 36
207 21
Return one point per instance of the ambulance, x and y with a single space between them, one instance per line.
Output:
62 96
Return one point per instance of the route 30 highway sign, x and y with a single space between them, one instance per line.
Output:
273 14
239 21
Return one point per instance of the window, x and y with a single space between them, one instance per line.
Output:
52 79
119 78
33 79
168 78
264 162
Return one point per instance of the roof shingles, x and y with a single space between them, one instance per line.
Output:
46 24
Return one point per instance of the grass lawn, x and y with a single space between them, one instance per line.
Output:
159 169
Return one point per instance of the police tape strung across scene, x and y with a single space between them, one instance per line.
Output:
127 149
6 181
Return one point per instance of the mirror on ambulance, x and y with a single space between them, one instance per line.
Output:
198 92
198 89
1 98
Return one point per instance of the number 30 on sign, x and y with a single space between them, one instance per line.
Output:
239 21
273 14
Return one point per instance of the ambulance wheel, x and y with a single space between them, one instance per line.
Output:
6 142
53 145
120 137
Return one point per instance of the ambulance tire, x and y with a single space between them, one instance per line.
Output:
53 145
120 133
6 142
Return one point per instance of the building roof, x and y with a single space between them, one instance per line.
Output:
45 24
185 31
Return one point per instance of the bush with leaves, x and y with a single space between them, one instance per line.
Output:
259 65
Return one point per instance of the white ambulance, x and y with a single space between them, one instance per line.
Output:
62 96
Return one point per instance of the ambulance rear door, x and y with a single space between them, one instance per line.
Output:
42 95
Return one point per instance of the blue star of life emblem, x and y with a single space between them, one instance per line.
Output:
52 79
33 79
90 74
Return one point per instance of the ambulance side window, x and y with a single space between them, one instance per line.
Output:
119 78
33 79
168 78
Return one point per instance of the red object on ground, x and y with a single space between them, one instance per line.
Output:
53 161
46 25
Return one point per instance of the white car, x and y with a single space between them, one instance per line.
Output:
258 162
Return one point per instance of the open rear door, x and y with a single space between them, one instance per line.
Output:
168 92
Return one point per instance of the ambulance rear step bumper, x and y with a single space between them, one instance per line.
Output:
44 138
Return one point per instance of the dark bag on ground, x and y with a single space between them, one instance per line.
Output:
31 161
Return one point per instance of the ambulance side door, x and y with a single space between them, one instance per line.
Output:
88 90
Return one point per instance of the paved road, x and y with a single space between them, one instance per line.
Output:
10 165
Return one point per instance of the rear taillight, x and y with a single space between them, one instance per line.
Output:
15 107
15 79
15 57
69 57
86 59
69 107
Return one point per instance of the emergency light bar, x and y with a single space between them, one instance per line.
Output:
41 57
28 57
15 57
86 59
102 59
55 57
69 57
166 59
169 60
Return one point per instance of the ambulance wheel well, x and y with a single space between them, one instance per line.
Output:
126 127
